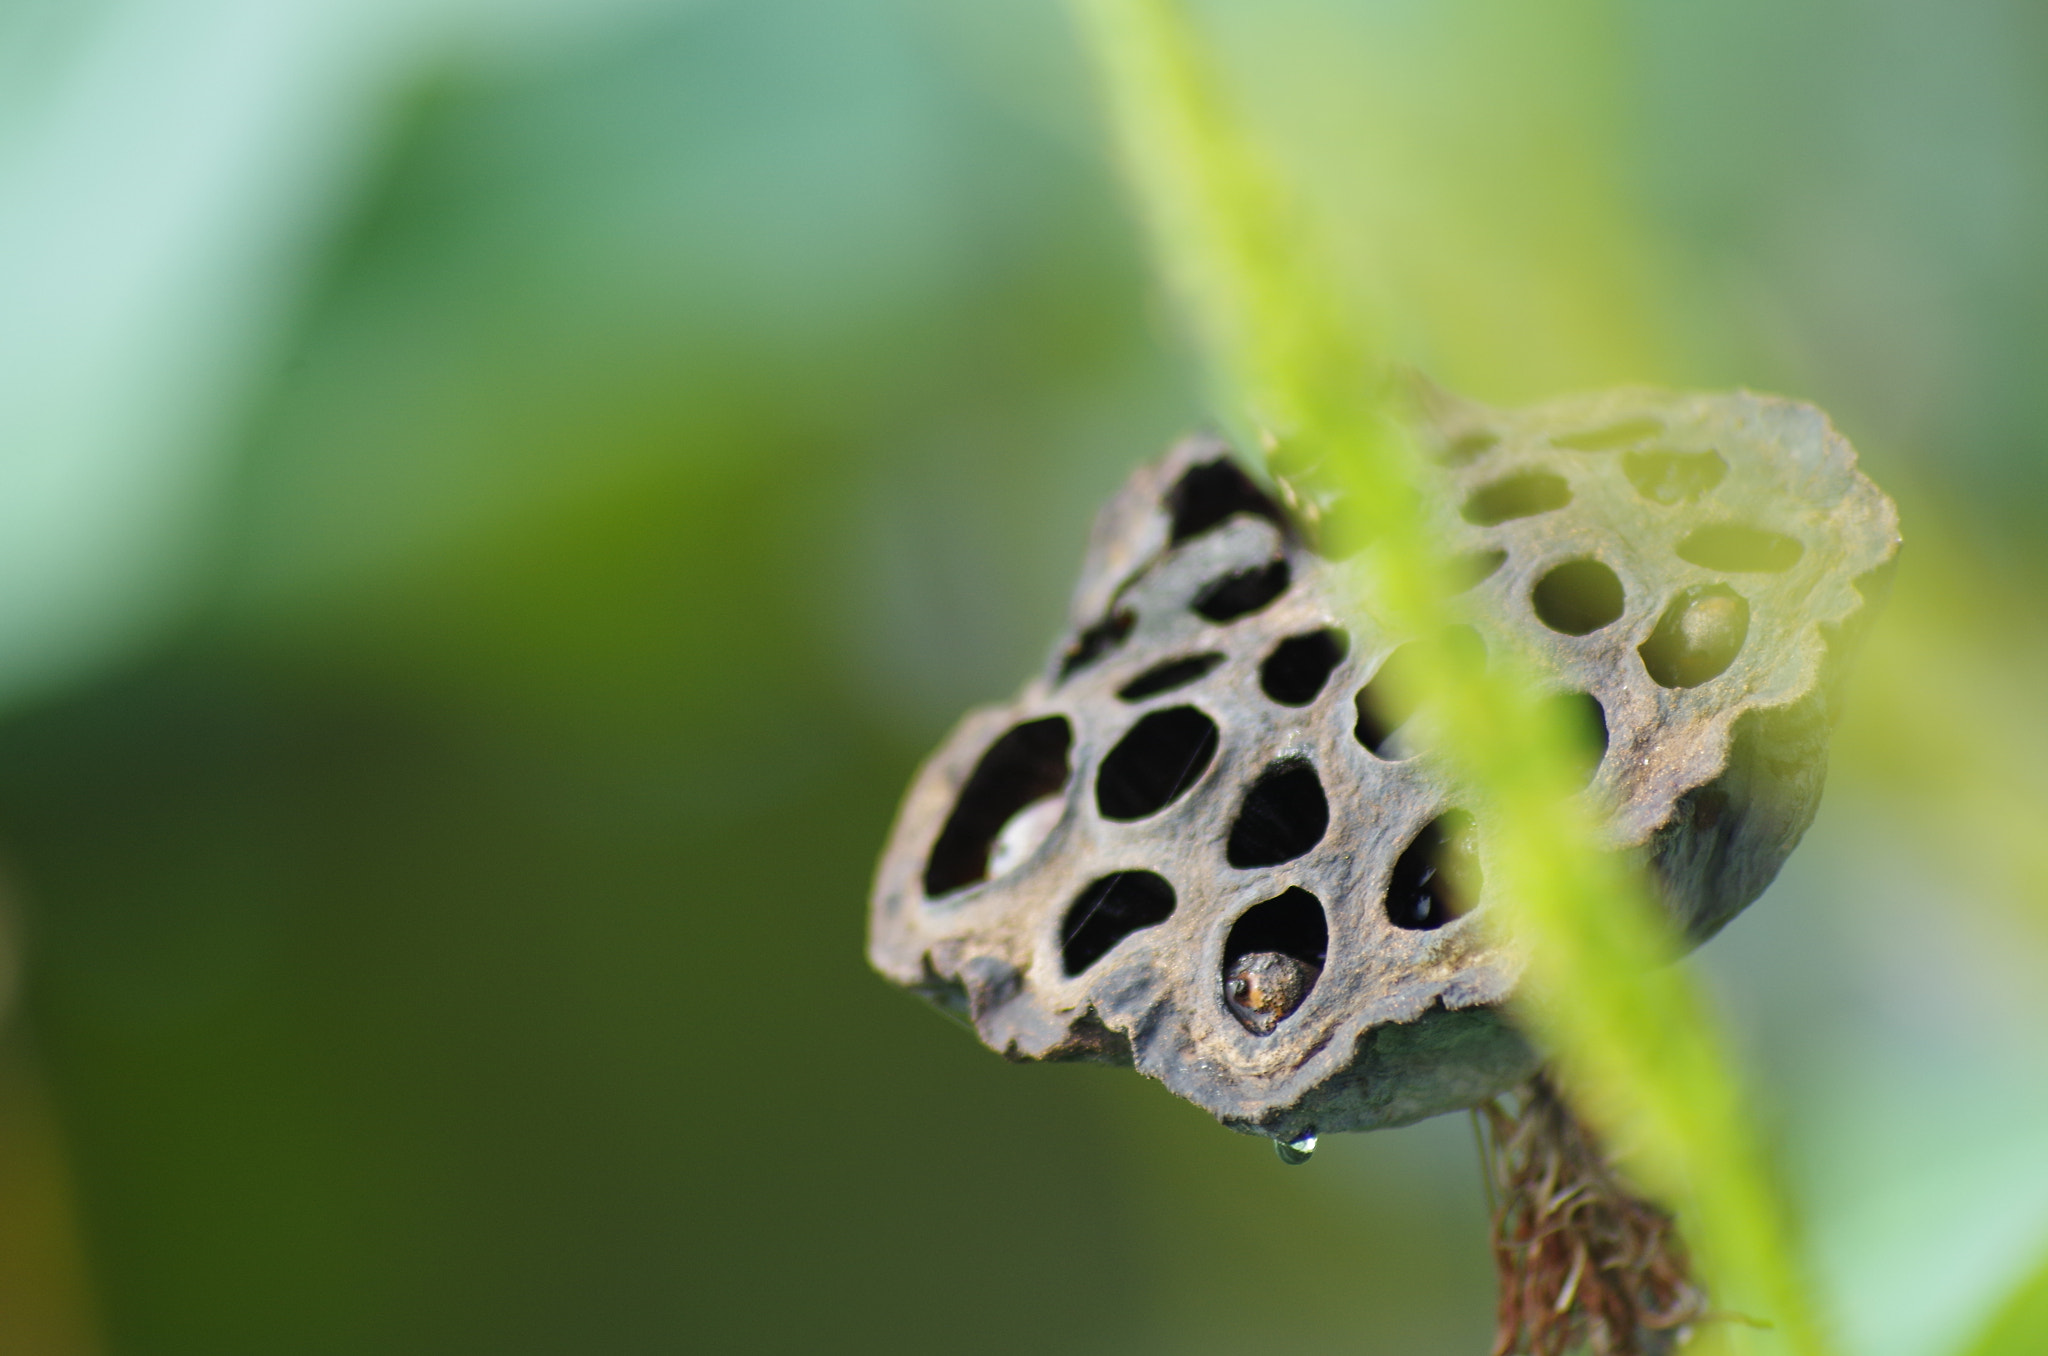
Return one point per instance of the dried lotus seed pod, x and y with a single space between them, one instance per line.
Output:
1207 841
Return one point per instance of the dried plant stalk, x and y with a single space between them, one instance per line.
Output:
1583 1262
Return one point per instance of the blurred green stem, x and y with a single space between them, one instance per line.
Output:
1626 1029
2019 1326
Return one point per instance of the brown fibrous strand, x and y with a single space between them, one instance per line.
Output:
1583 1261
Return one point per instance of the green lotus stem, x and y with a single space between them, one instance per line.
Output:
1626 1030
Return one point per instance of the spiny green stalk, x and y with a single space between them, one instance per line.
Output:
1627 1030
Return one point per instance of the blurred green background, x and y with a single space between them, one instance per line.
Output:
497 495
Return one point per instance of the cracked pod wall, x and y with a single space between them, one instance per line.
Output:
1208 840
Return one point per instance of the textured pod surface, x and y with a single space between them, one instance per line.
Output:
1205 841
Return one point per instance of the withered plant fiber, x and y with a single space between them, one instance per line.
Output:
1583 1262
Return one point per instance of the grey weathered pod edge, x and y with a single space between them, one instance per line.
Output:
1053 878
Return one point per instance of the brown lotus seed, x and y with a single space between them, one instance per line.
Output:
1264 988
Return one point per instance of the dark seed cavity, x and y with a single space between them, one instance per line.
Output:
1097 641
1517 496
1213 492
1610 436
1698 636
1169 675
1026 766
1387 703
1438 876
1582 713
1108 911
1283 815
1155 762
1475 567
1466 446
1294 673
1243 593
1274 955
1578 597
1673 477
1741 549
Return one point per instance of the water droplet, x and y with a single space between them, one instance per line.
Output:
1297 1150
